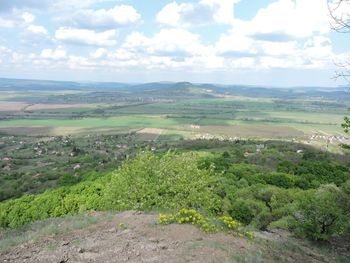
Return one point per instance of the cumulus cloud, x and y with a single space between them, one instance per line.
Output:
202 13
291 34
99 53
36 29
35 35
4 53
16 18
86 37
55 54
284 34
172 42
283 18
118 16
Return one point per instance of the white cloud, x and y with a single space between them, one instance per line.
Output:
4 53
235 43
278 48
294 18
99 53
28 17
16 18
7 23
37 29
168 42
55 54
118 16
223 9
285 34
289 34
35 35
244 62
86 37
319 48
202 13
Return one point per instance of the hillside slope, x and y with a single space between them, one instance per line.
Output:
136 237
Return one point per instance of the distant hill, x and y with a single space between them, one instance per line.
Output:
176 89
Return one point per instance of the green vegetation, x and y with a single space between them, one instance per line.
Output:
214 157
167 182
209 225
34 164
215 183
219 111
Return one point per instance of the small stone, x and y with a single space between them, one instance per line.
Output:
138 213
153 240
81 250
112 230
163 247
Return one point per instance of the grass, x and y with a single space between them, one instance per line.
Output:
56 226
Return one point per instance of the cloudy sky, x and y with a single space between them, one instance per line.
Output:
265 42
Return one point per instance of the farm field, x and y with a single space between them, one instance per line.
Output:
242 117
176 110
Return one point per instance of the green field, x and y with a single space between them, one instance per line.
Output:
183 111
238 114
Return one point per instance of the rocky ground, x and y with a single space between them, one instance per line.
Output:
136 237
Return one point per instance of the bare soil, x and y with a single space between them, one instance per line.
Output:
136 237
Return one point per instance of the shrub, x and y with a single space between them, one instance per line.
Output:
243 211
263 220
54 203
209 225
170 181
318 215
279 179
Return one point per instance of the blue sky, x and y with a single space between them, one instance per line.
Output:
255 42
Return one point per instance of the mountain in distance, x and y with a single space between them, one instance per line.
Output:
174 88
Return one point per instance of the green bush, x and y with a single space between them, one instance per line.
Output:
318 215
54 203
279 179
170 181
243 211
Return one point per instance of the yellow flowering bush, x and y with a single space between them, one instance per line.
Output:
191 216
234 227
188 216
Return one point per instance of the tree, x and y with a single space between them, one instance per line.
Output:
319 215
339 11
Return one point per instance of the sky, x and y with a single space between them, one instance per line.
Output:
251 42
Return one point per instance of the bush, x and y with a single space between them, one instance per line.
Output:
170 181
279 179
242 211
54 203
264 219
318 215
